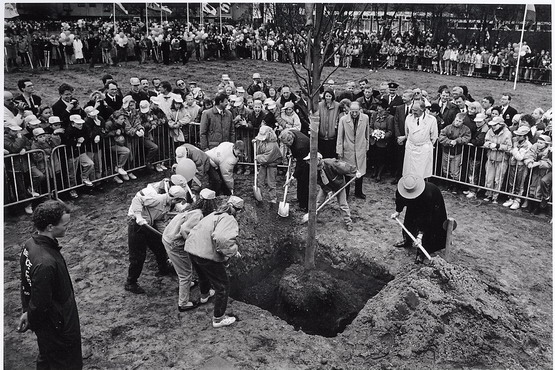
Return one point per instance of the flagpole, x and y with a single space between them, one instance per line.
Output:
220 18
520 47
115 27
161 19
146 16
187 16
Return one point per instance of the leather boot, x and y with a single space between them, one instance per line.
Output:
358 189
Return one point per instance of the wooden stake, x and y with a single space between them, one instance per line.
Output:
449 239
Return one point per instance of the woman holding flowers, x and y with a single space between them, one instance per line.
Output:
381 132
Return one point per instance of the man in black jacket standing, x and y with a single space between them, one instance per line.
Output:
49 307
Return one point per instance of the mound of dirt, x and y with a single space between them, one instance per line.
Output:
442 314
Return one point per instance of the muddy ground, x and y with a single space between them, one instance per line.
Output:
491 307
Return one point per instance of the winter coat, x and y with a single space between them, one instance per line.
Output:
385 124
329 118
460 134
216 128
47 294
177 231
202 163
39 158
334 171
352 145
268 153
535 154
223 158
504 139
518 152
214 237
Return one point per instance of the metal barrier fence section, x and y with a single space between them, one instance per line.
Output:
470 166
36 173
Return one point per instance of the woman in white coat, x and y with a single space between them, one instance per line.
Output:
78 50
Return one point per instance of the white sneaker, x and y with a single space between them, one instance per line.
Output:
121 171
465 192
508 203
125 177
515 205
223 321
118 180
29 209
33 193
87 182
131 176
471 194
163 167
211 293
159 168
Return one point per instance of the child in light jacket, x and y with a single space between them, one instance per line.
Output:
268 155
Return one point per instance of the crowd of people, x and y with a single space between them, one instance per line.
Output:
395 133
94 41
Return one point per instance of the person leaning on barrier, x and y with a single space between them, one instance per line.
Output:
452 139
210 244
477 155
77 138
499 142
540 162
18 168
518 172
95 125
47 294
147 209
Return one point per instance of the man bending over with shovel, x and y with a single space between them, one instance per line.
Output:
331 178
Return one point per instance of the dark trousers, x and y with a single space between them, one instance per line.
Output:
56 354
327 148
217 182
399 158
212 273
302 174
138 239
358 186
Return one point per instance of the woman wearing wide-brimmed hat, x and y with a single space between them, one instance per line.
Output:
425 213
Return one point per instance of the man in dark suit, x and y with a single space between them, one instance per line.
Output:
507 112
393 99
113 99
67 105
400 114
27 97
444 101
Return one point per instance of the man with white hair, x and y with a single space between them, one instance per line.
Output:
421 134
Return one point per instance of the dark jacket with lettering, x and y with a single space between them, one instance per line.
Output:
47 292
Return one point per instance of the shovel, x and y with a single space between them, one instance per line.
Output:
283 209
419 245
305 217
255 189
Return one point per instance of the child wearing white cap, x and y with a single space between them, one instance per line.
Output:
174 237
76 138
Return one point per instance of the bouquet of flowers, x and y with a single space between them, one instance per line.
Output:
378 134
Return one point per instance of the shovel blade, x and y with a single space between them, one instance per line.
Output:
283 209
257 194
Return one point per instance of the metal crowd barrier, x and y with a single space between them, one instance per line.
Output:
22 177
472 172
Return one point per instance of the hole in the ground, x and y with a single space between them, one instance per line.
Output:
318 302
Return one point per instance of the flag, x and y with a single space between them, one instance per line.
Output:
225 7
122 8
10 11
530 14
209 9
166 9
